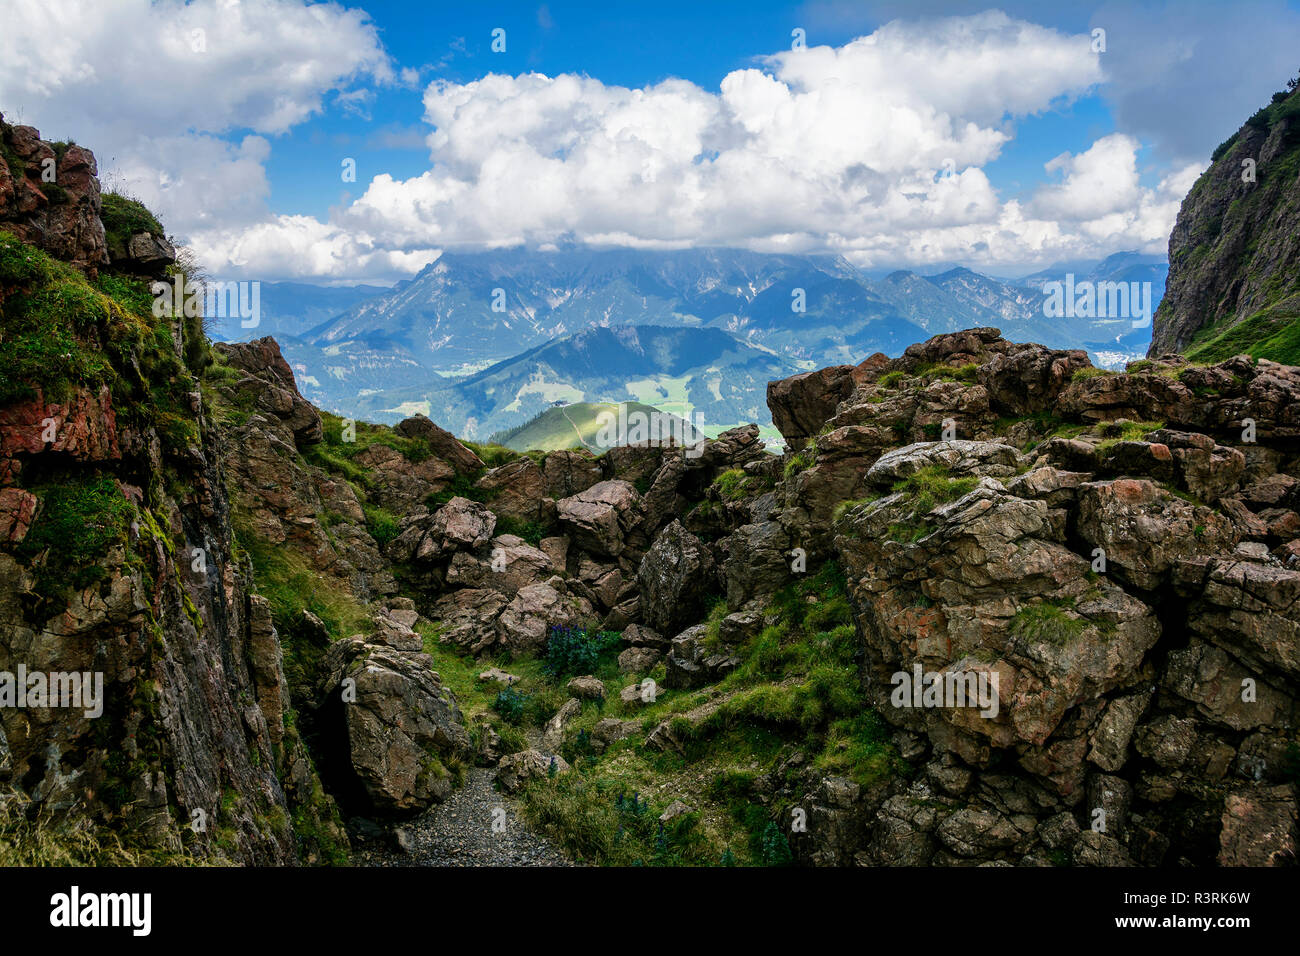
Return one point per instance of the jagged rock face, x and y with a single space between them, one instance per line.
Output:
801 404
193 690
58 214
285 501
1218 400
270 382
118 563
600 517
1235 247
83 427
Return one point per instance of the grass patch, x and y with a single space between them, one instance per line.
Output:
531 531
123 218
382 524
801 460
1127 431
1083 374
1047 621
72 841
936 371
79 522
1272 333
934 485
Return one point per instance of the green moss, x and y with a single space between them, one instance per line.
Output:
78 524
292 586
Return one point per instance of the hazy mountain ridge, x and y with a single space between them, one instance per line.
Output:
379 357
688 372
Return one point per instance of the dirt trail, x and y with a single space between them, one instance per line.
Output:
460 832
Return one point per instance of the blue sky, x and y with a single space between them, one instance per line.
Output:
906 134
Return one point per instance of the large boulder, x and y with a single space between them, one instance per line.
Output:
510 564
526 622
802 404
599 518
459 525
676 577
1259 828
397 724
518 490
517 769
442 443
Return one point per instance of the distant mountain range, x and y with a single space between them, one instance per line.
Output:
704 375
483 341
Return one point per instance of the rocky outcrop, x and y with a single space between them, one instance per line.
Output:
803 403
600 517
1130 636
1234 251
49 196
441 443
270 383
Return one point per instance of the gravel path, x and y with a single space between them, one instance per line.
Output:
460 832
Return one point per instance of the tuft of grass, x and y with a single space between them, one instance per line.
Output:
492 454
72 841
934 371
1083 374
1128 431
801 460
381 524
531 531
934 485
1047 621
